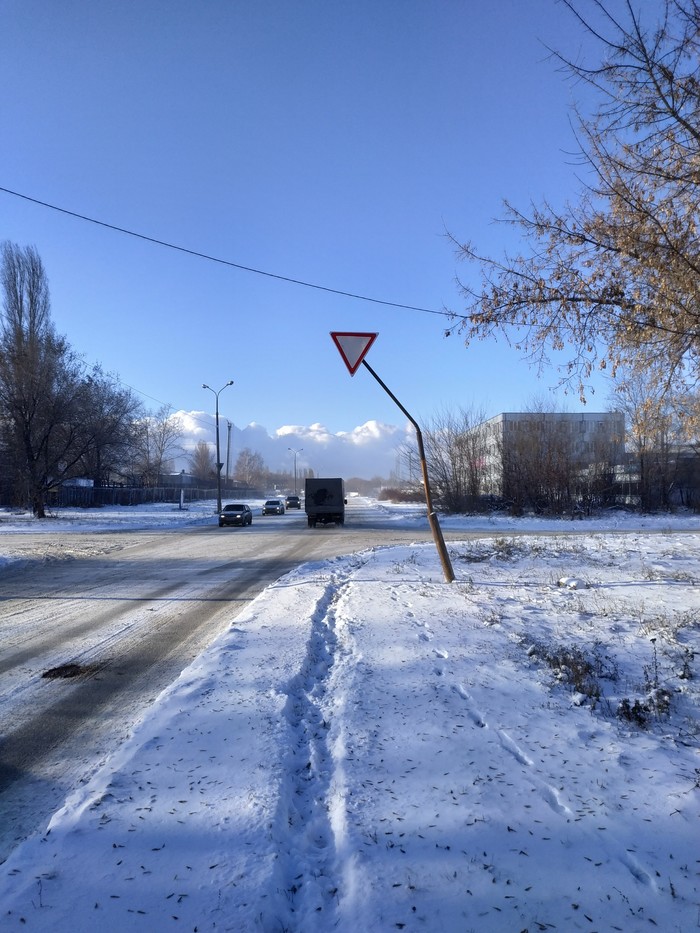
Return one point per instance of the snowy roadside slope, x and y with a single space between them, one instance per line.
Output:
182 813
508 806
369 748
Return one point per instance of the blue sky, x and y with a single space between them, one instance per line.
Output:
327 142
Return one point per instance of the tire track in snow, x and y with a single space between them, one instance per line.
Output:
309 826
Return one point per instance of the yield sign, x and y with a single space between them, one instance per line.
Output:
353 347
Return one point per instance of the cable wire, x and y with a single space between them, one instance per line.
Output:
223 262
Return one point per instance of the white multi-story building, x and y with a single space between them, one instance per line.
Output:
588 438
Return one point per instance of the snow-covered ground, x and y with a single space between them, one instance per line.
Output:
371 749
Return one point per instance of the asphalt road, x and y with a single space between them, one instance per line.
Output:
93 628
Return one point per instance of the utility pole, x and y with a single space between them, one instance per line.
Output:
228 451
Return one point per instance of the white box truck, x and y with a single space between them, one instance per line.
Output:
324 501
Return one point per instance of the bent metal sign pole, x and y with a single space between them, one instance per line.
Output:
353 348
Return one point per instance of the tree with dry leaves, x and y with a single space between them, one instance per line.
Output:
658 439
202 463
250 469
614 277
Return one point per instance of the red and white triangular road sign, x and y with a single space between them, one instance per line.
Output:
353 347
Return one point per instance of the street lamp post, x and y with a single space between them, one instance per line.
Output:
295 452
219 464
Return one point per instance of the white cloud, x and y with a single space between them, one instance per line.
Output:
375 432
196 426
368 450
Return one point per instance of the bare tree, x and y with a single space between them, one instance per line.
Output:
614 276
597 482
42 390
454 454
159 438
539 465
111 414
552 461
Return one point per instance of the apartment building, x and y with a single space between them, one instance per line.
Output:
587 438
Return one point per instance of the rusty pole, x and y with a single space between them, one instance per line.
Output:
432 517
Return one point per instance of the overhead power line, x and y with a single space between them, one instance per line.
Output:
223 262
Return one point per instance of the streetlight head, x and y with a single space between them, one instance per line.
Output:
230 382
205 386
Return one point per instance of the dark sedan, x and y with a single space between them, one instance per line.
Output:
236 514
